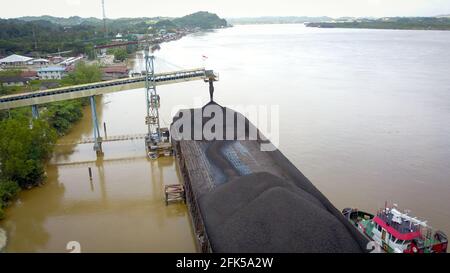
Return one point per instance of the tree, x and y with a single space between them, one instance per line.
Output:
23 149
131 49
120 54
82 74
3 90
8 191
89 51
61 115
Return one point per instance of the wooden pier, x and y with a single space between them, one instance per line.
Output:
174 193
161 149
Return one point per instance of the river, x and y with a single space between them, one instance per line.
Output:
363 113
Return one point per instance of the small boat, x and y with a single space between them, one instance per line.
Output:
397 232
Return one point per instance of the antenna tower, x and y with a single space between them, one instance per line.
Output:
104 17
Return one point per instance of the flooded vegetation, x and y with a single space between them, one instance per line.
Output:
122 209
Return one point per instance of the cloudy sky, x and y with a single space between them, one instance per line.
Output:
224 8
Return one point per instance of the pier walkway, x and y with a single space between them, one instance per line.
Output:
103 139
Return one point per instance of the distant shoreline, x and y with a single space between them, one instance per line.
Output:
342 27
442 24
378 28
393 23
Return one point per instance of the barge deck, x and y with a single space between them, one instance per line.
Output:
242 199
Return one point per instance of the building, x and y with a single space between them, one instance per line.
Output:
139 36
15 60
56 59
39 62
114 72
29 74
51 73
13 81
119 38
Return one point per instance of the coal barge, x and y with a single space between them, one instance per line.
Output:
242 199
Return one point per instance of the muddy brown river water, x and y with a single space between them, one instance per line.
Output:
363 113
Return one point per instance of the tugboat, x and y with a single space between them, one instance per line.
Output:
397 232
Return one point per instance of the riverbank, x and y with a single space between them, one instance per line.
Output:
70 118
419 23
56 120
26 144
121 209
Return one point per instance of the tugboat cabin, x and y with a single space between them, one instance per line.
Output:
401 233
397 232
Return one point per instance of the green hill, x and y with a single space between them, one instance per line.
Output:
71 21
201 19
46 34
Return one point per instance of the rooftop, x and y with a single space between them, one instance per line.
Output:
40 61
13 79
52 69
28 73
115 69
15 59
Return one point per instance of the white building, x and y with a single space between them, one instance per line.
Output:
39 62
51 73
119 38
15 60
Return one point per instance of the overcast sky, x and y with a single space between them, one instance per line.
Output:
224 8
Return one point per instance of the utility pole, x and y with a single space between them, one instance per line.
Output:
104 18
34 36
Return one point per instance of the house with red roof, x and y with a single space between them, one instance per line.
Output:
115 72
